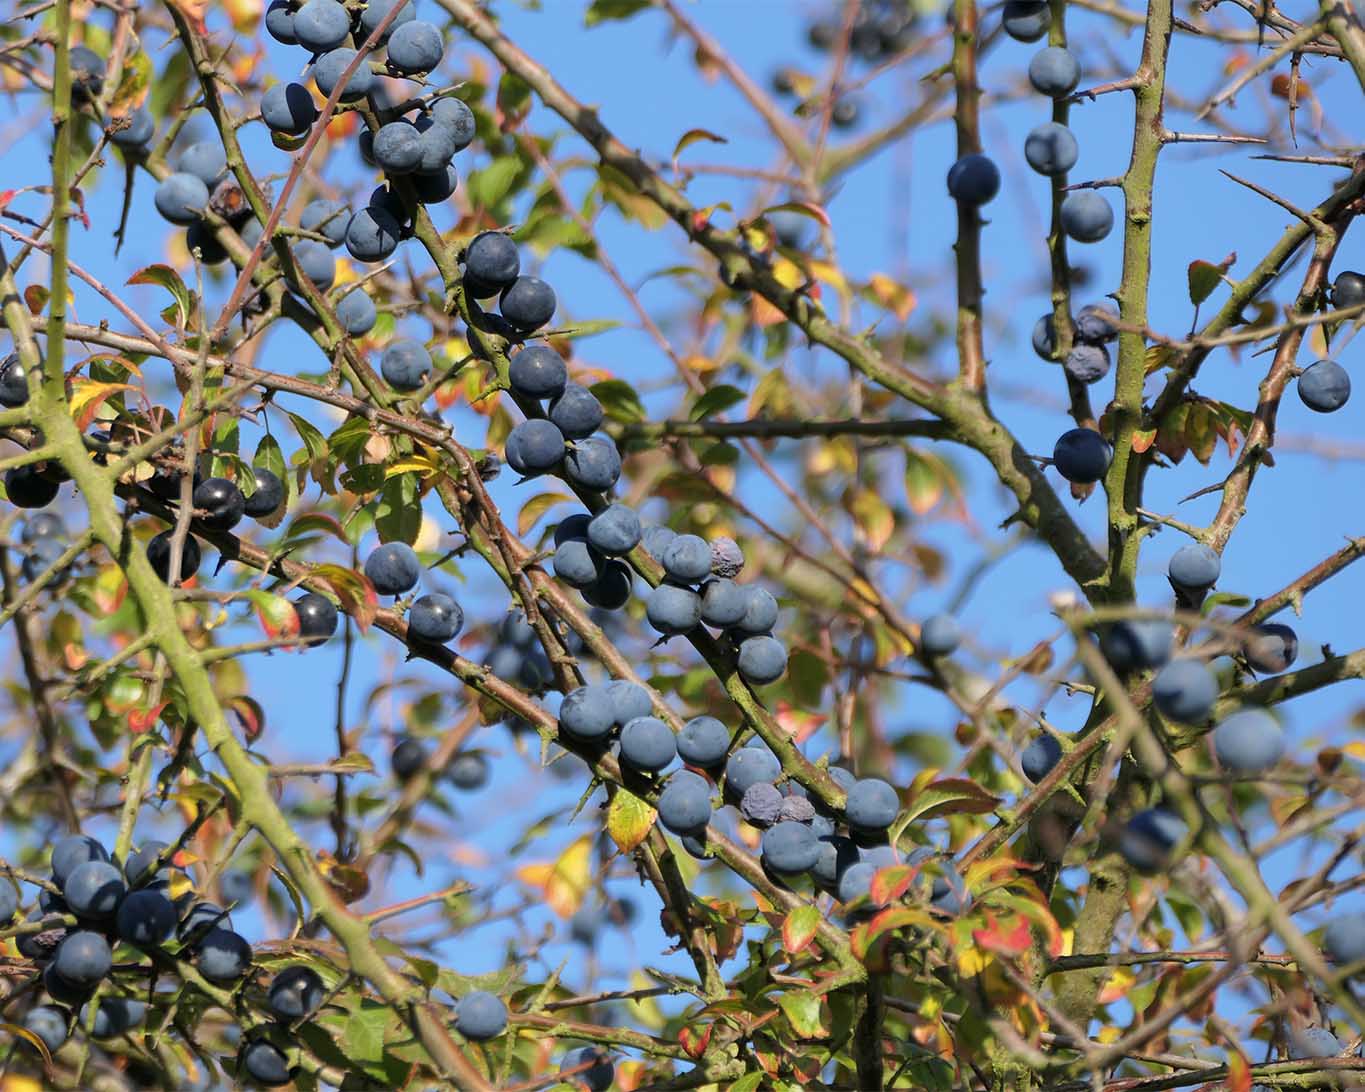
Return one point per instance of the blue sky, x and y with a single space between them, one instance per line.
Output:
893 216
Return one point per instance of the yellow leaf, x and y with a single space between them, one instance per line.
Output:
828 272
1109 1034
629 820
536 507
788 274
564 883
419 463
1356 749
87 396
972 961
1118 985
895 297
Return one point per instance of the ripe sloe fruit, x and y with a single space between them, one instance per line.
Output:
1185 690
82 959
656 539
42 525
528 303
468 771
221 502
760 615
59 989
74 850
537 371
537 445
1133 645
415 47
647 744
1271 648
1348 290
458 118
1044 337
1087 363
856 881
798 809
837 854
266 1064
1344 938
435 617
13 382
704 742
26 487
685 803
1086 216
205 160
397 147
372 234
1096 324
614 531
268 495
321 25
588 712
762 660
9 902
1194 567
1249 741
327 218
294 992
288 108
279 22
1325 386
356 311
1051 149
1027 20
317 617
1039 757
628 700
974 179
790 847
93 889
723 603
393 568
491 261
1313 1043
672 610
329 67
438 145
577 564
748 766
593 463
589 1067
480 1015
576 413
687 559
49 1024
940 635
374 12
408 758
405 364
223 955
146 918
141 128
180 198
87 72
114 1016
202 917
200 239
435 186
1081 455
315 261
871 805
1054 72
1148 839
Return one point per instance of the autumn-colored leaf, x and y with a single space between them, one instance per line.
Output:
694 1042
250 715
1239 1073
1010 937
799 928
692 136
891 883
564 882
629 820
950 796
897 298
802 1009
140 720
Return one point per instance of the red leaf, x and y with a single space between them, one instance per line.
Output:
694 1043
1239 1073
6 196
997 938
250 714
891 883
140 720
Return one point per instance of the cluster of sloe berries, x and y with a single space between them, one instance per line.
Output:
94 902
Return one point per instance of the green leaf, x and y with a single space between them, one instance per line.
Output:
1205 276
619 400
599 11
313 440
365 1032
749 1082
798 930
269 457
691 137
717 400
536 507
949 796
398 516
803 1011
170 280
489 186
